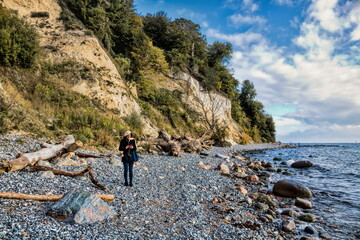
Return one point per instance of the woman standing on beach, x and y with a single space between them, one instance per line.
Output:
128 146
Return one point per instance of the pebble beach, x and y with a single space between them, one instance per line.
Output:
172 198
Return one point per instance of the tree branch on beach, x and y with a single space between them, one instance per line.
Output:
88 170
14 195
47 151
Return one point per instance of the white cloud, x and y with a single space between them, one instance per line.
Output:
318 46
241 40
322 84
324 12
354 18
322 79
239 19
205 24
284 2
295 22
245 5
286 126
187 13
250 5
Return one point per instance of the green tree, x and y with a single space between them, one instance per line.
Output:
219 53
262 125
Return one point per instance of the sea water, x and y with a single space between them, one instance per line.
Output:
334 180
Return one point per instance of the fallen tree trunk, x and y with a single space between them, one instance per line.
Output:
13 195
88 170
47 152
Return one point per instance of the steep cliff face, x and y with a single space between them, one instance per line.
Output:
213 106
102 81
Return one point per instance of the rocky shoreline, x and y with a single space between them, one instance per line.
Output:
219 194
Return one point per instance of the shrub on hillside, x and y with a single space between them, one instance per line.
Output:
133 120
19 43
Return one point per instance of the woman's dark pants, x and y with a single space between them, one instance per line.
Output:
128 168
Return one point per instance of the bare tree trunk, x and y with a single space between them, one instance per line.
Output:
13 195
49 151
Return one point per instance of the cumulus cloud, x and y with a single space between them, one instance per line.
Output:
242 40
239 19
324 12
320 80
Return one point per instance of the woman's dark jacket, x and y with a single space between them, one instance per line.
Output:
123 143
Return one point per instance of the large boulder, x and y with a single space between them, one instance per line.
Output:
291 189
81 207
302 164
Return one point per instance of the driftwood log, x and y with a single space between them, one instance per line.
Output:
13 195
174 144
88 170
47 152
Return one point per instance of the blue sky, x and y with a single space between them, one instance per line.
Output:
302 56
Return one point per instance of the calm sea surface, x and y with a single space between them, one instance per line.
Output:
334 180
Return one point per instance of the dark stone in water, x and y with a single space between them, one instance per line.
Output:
268 165
310 230
302 164
292 189
271 169
81 207
307 217
277 159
